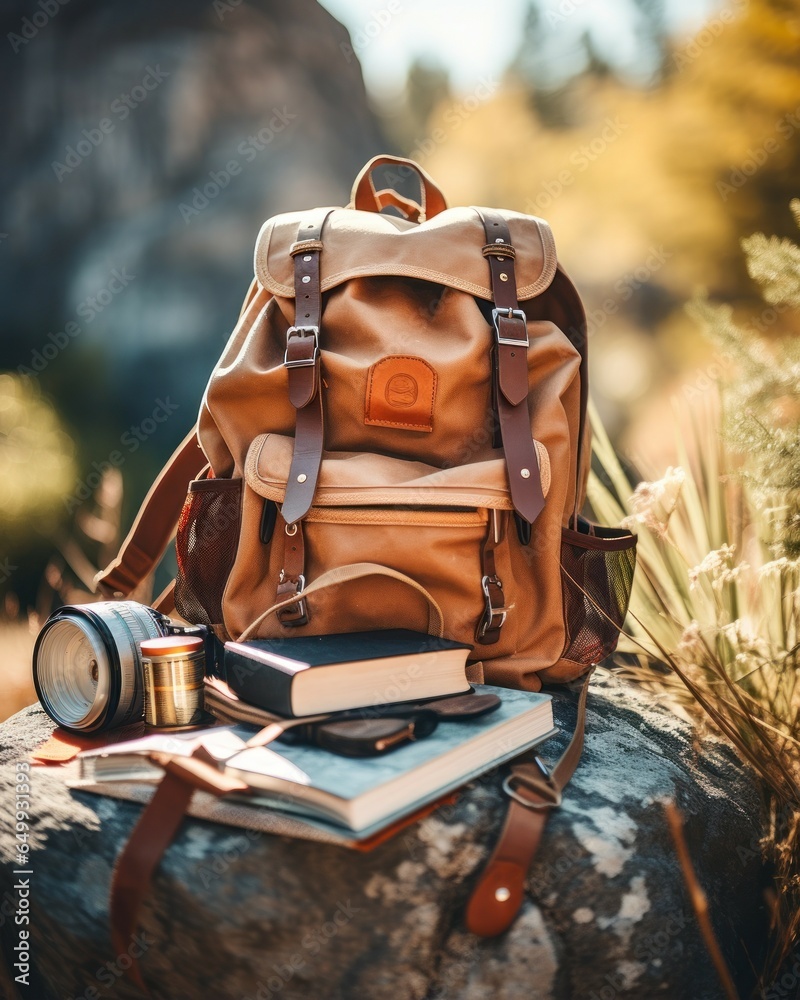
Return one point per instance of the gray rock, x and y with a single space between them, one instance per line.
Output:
238 915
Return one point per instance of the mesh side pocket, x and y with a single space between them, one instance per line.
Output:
208 531
597 576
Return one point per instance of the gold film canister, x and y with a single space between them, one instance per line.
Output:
173 669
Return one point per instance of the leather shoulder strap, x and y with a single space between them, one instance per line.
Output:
533 793
155 523
153 833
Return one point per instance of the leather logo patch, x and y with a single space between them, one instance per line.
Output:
401 390
400 393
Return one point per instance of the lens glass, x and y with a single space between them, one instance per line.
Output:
73 673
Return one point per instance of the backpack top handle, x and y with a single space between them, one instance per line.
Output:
367 198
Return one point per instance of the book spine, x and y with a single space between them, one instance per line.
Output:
259 684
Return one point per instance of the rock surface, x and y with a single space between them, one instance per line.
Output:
238 916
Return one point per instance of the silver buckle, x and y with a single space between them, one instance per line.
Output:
301 581
489 614
301 331
512 792
510 314
294 614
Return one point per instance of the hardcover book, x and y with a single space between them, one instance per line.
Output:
306 675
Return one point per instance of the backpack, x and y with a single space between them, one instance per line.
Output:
396 436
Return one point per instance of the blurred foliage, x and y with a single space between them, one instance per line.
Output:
717 590
37 466
762 418
649 182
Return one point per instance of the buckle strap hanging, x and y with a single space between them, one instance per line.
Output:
533 792
495 611
302 363
511 370
292 579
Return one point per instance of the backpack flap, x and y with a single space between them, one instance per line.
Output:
445 250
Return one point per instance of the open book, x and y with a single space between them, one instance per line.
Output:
360 796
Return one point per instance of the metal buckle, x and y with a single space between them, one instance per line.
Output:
294 614
510 314
548 785
490 613
302 331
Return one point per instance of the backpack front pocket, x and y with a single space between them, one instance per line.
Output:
434 526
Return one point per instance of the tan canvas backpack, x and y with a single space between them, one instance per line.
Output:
396 436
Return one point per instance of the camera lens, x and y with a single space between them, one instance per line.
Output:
87 664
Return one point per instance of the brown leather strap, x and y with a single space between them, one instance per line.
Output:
497 897
152 835
511 371
409 208
494 615
155 523
292 579
366 198
302 362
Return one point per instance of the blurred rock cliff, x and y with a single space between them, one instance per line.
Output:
144 145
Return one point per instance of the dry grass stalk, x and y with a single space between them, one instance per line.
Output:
697 898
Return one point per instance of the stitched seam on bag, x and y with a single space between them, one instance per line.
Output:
406 518
524 293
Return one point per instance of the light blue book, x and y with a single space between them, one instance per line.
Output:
365 795
358 796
